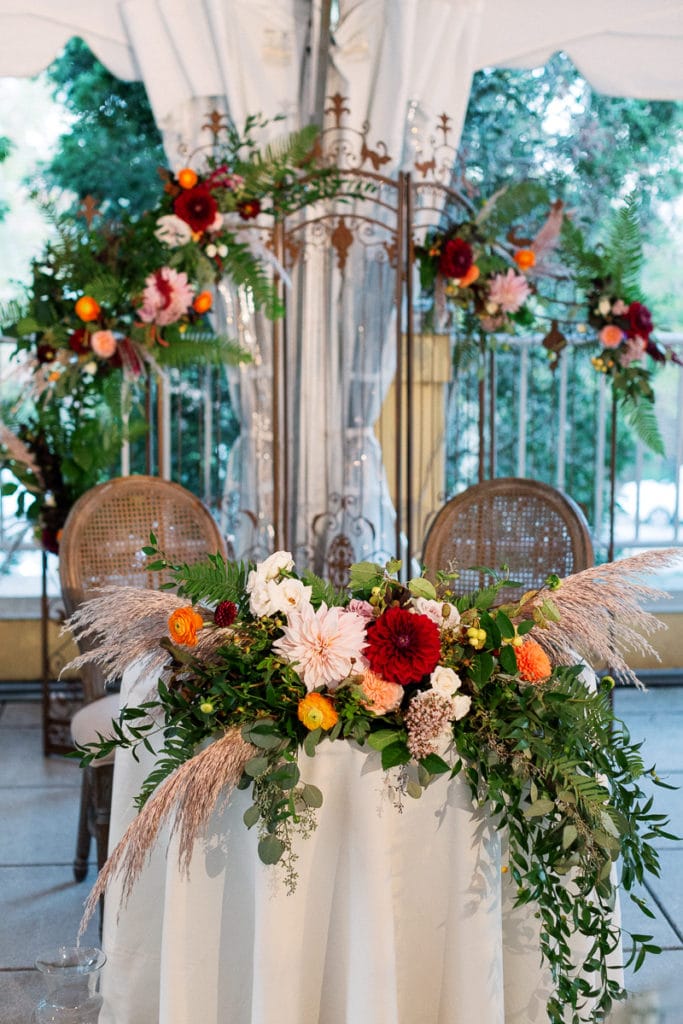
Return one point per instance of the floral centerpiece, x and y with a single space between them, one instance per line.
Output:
270 664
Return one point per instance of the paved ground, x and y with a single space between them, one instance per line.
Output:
40 905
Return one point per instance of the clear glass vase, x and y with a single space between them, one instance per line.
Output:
72 974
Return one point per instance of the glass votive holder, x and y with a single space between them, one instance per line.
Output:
72 974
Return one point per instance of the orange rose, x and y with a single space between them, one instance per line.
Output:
187 178
611 336
87 309
533 664
470 277
317 712
203 302
525 259
183 624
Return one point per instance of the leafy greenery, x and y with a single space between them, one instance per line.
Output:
540 749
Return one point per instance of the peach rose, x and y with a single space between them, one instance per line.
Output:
380 696
611 336
103 344
183 624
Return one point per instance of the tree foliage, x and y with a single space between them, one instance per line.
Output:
113 148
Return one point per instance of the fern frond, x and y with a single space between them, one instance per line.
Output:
322 590
197 346
641 417
213 581
624 256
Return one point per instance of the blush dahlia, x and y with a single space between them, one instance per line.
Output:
403 647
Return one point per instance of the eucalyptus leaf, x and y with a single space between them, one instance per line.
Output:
270 849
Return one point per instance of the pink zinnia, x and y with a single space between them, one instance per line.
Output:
166 298
324 645
509 291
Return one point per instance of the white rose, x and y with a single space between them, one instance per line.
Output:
222 251
211 250
264 599
274 564
291 594
217 222
434 610
173 231
445 681
462 705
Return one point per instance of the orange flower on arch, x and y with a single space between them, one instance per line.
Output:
183 624
533 664
525 259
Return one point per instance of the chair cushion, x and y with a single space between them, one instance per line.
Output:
93 719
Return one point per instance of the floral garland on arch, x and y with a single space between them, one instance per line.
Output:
113 301
270 665
477 276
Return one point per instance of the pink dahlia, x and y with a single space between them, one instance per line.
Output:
403 647
324 645
509 291
167 296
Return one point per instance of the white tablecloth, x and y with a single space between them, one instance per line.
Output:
399 917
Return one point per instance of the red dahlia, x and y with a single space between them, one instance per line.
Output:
225 614
403 647
456 258
197 207
639 321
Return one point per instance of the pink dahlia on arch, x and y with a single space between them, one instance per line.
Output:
403 647
325 645
166 298
508 291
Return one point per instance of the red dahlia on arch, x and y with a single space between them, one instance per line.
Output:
197 207
403 647
456 258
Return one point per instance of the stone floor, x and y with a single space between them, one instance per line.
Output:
40 905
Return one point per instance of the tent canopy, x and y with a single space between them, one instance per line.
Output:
622 47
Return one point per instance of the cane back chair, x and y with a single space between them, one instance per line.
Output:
529 526
101 545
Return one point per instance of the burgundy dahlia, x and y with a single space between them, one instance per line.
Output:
79 342
225 614
639 321
197 207
456 258
403 647
249 208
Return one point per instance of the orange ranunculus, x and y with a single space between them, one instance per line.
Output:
183 624
533 664
187 178
611 336
525 259
317 712
470 277
87 309
202 302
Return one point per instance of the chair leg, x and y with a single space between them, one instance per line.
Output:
83 836
102 781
